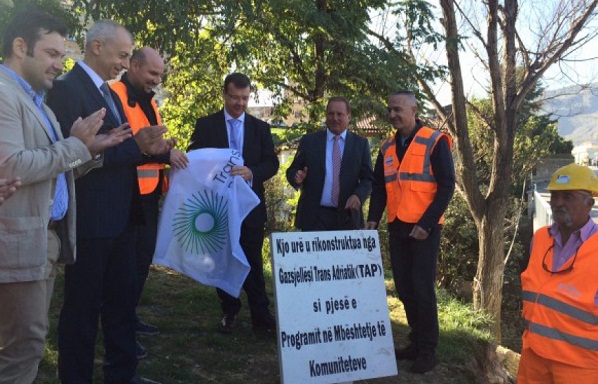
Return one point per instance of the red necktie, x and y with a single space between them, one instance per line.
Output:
336 169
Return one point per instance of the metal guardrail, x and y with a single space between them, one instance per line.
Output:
542 212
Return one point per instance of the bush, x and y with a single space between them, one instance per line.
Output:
458 256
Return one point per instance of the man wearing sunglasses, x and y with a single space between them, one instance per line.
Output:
560 289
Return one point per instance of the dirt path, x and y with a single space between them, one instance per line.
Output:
442 374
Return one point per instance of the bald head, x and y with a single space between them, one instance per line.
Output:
146 69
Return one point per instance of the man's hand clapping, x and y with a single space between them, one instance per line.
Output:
112 138
151 140
86 130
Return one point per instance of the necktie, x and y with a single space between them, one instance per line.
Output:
235 125
336 169
61 196
110 101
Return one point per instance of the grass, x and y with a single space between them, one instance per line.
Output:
191 350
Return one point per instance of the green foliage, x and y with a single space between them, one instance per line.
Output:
415 30
459 247
163 24
9 7
465 332
285 137
322 48
191 92
68 64
418 15
299 50
458 256
537 137
281 201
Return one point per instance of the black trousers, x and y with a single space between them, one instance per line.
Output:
414 271
326 220
334 219
145 238
100 286
252 241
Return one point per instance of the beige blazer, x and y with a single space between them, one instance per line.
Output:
26 150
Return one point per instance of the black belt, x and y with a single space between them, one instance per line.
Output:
52 225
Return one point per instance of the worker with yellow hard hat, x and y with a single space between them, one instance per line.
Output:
560 287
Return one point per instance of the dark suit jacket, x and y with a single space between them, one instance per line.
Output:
107 197
258 153
355 178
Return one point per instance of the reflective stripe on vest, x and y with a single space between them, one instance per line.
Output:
411 179
426 172
390 143
559 335
390 178
147 174
559 308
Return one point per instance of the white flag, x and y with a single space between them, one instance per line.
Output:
200 222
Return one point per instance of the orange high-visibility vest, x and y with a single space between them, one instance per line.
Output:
410 184
558 308
148 175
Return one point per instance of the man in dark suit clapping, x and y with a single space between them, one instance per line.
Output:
233 128
333 169
101 284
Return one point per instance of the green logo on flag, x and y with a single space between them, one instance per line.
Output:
200 225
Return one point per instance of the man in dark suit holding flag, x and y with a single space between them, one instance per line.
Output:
232 127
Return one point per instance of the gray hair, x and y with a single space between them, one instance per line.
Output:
410 96
103 30
588 197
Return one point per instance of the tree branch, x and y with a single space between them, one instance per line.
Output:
466 165
558 49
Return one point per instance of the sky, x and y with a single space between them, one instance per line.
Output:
532 13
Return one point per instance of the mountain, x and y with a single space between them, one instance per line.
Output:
576 109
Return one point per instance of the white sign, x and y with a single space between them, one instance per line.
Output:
333 322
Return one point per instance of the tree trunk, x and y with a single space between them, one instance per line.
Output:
487 287
502 46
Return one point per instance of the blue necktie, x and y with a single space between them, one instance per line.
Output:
61 196
235 126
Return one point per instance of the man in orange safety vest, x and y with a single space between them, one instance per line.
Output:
414 179
560 289
136 92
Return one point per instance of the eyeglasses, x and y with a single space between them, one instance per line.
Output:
237 98
568 269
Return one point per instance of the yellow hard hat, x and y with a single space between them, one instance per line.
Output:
574 177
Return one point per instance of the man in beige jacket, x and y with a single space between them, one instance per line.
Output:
8 188
37 224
